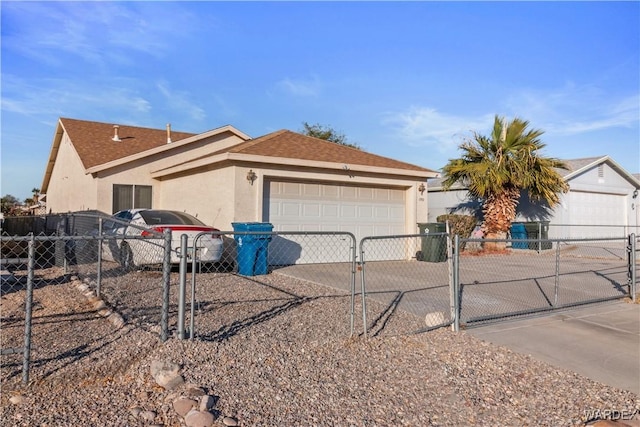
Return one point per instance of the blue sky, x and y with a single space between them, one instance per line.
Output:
408 80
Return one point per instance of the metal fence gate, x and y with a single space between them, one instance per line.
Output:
408 283
568 273
263 275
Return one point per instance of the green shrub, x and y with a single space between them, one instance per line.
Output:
461 225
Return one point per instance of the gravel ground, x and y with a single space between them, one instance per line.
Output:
274 351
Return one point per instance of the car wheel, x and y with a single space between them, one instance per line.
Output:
126 258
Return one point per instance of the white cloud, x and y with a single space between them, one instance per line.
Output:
97 32
427 127
574 110
300 87
57 97
181 101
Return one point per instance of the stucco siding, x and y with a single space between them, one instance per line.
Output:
70 189
452 201
601 180
209 195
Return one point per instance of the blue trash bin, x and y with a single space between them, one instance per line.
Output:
252 249
519 232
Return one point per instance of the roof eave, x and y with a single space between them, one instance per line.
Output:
614 165
53 154
285 161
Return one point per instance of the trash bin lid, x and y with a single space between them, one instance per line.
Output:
252 226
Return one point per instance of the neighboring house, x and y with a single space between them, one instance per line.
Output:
295 182
601 193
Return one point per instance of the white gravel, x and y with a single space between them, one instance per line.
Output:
274 351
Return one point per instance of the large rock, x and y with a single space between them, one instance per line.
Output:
435 318
166 374
199 419
183 405
206 403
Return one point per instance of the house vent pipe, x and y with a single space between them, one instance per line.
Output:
168 133
115 138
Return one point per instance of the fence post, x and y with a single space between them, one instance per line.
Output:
354 256
557 278
166 282
99 264
363 288
455 285
632 256
539 236
64 244
26 356
194 263
182 291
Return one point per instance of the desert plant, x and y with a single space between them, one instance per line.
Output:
461 225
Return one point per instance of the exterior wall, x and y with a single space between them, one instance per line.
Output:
610 181
70 189
208 195
421 202
446 202
138 175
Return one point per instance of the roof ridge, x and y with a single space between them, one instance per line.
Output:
250 143
126 125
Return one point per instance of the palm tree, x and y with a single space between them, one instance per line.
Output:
36 194
496 169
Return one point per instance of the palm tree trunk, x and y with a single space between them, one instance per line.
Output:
499 212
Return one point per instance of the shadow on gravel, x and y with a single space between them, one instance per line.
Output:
18 282
83 352
288 302
378 326
228 331
380 322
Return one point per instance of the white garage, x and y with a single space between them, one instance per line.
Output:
597 208
314 206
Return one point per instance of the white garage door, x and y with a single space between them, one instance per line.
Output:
363 211
596 209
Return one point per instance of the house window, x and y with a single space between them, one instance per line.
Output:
131 197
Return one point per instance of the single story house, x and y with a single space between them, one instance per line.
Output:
295 182
602 201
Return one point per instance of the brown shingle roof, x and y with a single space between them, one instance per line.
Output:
92 140
292 145
94 144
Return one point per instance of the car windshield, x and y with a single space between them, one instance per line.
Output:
154 217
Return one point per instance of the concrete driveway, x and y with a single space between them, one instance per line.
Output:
601 342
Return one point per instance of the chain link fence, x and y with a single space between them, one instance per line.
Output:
60 284
263 275
65 295
523 281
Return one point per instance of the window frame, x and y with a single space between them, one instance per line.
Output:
137 197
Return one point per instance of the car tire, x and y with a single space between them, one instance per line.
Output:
126 258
